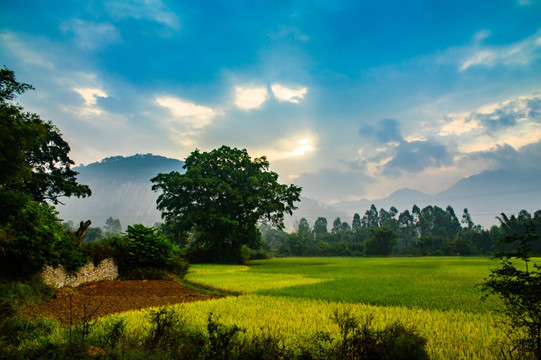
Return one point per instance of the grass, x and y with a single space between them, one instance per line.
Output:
294 300
436 283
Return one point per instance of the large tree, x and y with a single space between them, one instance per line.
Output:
34 158
220 198
34 169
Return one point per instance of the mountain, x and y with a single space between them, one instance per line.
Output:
121 188
485 195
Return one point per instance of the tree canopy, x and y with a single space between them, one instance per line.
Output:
34 169
220 198
34 158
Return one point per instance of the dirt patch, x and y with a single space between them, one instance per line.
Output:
109 297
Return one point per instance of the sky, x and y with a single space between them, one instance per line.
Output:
348 99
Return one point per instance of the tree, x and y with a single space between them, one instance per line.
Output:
406 228
467 220
370 218
34 169
33 156
220 198
381 241
519 288
320 228
303 227
336 226
112 226
356 222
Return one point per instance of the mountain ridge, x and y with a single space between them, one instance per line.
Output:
122 189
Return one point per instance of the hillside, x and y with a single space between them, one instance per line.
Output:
121 188
485 195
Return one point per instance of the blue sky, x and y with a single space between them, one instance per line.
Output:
349 99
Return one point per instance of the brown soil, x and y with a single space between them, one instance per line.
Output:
102 298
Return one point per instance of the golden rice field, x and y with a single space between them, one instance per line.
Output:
272 301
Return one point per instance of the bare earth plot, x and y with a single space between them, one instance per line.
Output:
102 298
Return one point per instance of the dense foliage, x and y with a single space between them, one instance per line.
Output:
33 156
518 284
220 199
428 231
34 168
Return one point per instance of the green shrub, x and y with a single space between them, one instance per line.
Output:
145 254
36 238
359 341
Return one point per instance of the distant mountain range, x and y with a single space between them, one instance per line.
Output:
485 195
121 188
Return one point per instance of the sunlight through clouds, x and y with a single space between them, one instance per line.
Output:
301 149
250 98
283 93
193 115
289 148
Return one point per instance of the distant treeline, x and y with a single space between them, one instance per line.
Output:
428 231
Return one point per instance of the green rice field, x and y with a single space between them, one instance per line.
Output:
294 298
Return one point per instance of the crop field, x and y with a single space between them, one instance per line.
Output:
294 298
439 283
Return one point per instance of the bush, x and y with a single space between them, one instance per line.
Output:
359 341
36 238
145 254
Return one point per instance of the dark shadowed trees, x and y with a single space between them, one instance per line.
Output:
33 156
34 169
518 285
381 241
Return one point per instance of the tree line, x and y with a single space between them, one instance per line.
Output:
419 232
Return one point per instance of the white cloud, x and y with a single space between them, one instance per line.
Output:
302 148
520 53
459 125
481 35
289 147
90 95
91 35
24 52
514 122
154 10
187 113
283 93
250 98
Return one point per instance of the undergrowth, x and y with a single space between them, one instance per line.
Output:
168 336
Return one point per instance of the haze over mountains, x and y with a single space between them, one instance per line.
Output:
121 188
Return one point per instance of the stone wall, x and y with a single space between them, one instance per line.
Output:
58 277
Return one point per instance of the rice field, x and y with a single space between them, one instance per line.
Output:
294 298
440 283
